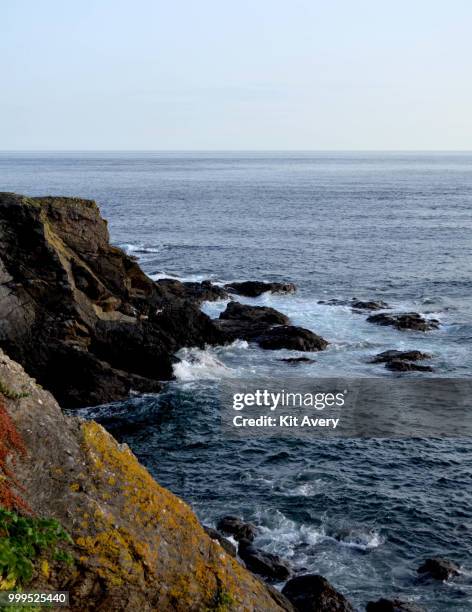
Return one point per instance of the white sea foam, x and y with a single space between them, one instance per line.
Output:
198 364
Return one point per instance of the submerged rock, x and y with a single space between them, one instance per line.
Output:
313 593
293 338
256 288
406 320
439 569
297 360
272 567
240 530
393 605
79 314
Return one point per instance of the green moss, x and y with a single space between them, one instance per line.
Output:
9 393
23 541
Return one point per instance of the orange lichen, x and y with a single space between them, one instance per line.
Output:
11 444
140 534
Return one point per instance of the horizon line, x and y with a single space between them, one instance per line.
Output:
235 150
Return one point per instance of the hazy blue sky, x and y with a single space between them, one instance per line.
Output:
236 74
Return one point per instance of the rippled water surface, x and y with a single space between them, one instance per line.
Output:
364 513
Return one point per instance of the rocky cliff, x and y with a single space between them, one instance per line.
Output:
78 313
134 545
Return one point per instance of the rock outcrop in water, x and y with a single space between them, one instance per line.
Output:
240 321
79 314
405 320
134 545
313 593
267 327
439 569
403 361
256 288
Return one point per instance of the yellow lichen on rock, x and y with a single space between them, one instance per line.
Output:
163 542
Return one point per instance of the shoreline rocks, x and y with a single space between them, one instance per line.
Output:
267 327
257 288
293 338
313 593
269 566
227 546
402 361
236 527
405 320
356 305
240 321
199 292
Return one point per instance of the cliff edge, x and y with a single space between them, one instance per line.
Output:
78 313
134 545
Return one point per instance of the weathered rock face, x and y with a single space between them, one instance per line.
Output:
79 314
135 545
313 593
199 292
256 288
406 320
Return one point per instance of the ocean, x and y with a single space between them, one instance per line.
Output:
393 226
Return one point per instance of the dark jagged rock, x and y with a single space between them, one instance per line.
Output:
393 605
79 314
293 338
225 543
399 365
406 320
369 304
271 567
313 593
297 360
253 314
387 356
247 322
439 569
205 291
256 288
233 525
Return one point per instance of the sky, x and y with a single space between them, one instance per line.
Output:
236 75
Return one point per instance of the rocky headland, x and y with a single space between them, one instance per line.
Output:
80 325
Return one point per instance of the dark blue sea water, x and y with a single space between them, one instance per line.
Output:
395 226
